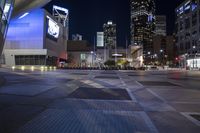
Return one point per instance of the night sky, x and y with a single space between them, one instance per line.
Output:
88 16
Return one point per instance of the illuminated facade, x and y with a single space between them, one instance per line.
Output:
142 24
35 38
6 7
187 29
110 35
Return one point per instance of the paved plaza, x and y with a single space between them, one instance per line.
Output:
98 101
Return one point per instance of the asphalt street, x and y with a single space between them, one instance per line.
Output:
98 101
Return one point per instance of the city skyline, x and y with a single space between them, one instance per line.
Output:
88 19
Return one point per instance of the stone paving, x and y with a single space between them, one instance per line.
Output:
74 101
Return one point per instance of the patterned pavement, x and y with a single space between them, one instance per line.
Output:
73 101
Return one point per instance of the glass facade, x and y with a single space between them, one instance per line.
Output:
6 7
35 60
143 24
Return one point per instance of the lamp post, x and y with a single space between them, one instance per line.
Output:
161 53
92 53
194 47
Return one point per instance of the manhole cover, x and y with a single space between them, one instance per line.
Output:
195 116
156 83
100 93
107 77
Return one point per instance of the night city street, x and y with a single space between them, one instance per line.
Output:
98 101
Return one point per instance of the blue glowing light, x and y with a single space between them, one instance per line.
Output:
27 32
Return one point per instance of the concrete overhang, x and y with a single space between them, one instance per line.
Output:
22 6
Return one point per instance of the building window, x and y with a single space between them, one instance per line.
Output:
194 18
187 23
30 60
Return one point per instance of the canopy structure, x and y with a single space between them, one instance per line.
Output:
22 6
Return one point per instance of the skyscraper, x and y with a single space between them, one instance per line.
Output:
110 38
142 24
160 25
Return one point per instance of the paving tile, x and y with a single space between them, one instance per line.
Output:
100 93
77 104
85 121
156 106
13 117
156 83
178 95
186 107
81 74
172 122
24 100
25 90
107 77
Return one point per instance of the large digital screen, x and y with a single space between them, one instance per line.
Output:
53 29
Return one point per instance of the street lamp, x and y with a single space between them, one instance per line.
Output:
161 53
92 52
194 47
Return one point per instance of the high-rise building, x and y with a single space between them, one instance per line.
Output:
142 24
187 29
6 7
160 25
100 39
110 35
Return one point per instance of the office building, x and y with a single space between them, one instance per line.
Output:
110 35
100 40
80 54
142 25
187 28
15 7
164 50
6 7
35 38
160 25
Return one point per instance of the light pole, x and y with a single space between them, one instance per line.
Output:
161 53
92 53
194 47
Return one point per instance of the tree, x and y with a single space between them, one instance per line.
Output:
109 63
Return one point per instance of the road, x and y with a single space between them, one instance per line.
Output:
94 101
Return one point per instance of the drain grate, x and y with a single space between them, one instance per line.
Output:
100 94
